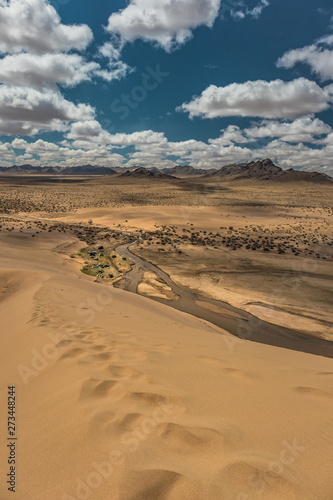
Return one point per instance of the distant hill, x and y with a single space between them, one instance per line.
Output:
266 170
52 170
156 170
187 170
121 170
79 170
301 175
88 170
142 173
21 169
253 170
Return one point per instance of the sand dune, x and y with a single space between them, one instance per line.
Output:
120 397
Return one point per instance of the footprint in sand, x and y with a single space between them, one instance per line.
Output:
101 389
150 401
249 477
63 343
84 333
72 353
312 391
81 336
212 445
102 357
158 484
178 436
110 424
121 372
98 347
123 422
86 338
127 373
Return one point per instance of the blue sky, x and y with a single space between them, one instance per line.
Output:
159 82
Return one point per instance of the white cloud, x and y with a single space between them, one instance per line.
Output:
30 70
241 10
304 129
301 130
327 39
38 147
26 111
34 44
90 131
87 132
34 26
298 155
232 134
143 137
274 99
110 51
317 56
117 69
166 22
153 149
6 152
50 154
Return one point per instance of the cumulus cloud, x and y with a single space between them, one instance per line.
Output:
26 111
234 145
149 158
30 70
241 10
304 129
148 137
274 99
298 155
166 22
34 26
90 131
318 56
49 153
6 152
37 147
36 61
153 149
232 134
117 69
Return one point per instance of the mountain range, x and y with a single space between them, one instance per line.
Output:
264 170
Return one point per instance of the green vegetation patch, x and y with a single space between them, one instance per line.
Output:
103 263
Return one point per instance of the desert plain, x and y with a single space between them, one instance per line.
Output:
167 338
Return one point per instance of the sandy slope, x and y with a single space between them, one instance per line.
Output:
119 397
